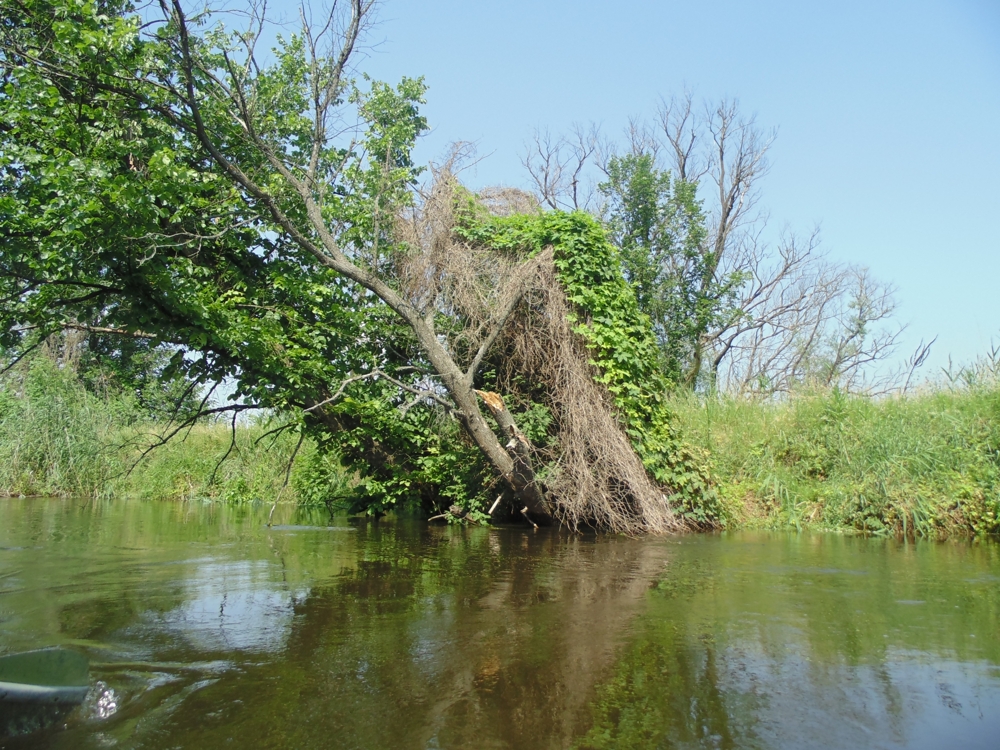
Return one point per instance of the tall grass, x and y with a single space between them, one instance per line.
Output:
926 464
53 434
57 438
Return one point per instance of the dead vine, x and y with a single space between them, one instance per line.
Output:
512 308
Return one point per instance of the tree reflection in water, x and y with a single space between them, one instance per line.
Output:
212 631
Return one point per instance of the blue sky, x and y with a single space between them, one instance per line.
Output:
888 116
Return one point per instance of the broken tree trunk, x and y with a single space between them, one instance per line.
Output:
522 477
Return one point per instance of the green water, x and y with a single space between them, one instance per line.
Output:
205 629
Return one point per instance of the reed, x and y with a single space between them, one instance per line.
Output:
926 464
57 438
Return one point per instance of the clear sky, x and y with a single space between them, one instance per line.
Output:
888 116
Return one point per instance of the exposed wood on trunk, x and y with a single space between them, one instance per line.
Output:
495 504
522 478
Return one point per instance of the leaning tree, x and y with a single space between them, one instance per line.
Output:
165 178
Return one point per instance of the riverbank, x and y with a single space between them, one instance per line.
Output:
926 464
59 439
189 467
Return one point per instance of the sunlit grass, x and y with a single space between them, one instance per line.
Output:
56 438
925 464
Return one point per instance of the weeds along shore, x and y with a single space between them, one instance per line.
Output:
925 464
57 438
921 465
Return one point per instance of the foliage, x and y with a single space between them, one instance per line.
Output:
422 459
134 371
926 464
119 220
114 216
620 339
138 367
59 438
658 225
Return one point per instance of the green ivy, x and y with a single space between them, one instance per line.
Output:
620 339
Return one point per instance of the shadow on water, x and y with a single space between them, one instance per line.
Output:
206 629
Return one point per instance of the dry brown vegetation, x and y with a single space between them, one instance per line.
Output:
515 308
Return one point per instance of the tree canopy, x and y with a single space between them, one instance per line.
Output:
163 179
657 222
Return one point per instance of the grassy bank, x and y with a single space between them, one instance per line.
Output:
57 438
925 464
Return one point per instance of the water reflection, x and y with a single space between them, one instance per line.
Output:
207 629
748 643
231 606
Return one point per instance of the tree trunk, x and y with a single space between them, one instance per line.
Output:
519 448
316 238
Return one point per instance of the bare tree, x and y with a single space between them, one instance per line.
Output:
727 150
558 167
802 320
794 315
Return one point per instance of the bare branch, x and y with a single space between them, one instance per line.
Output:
288 475
112 331
558 166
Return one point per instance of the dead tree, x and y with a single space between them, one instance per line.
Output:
558 166
802 321
514 304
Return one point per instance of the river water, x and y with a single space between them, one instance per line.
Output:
206 629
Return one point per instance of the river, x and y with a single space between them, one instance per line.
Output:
206 629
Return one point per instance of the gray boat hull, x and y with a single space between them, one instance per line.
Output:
14 692
38 688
